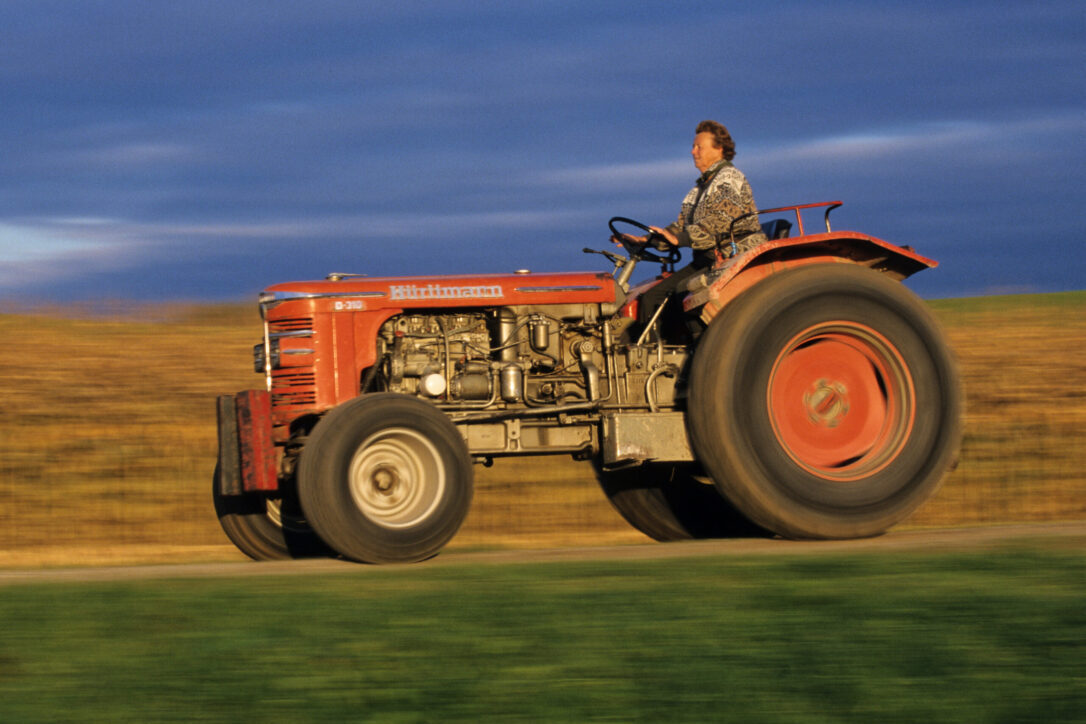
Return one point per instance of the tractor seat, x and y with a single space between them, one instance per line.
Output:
777 229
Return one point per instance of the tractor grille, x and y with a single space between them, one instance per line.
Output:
293 386
291 324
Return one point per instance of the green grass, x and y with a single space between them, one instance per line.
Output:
992 637
967 306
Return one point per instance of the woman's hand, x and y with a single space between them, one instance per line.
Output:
666 234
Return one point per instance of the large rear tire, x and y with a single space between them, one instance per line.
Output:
824 403
385 478
669 502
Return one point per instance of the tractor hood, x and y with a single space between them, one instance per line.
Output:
350 292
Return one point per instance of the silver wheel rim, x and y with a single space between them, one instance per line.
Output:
294 523
396 478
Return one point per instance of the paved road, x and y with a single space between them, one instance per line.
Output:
1071 536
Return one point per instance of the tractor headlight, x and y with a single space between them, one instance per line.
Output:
259 359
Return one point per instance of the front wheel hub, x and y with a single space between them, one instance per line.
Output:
396 478
385 479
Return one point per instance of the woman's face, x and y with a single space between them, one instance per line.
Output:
704 152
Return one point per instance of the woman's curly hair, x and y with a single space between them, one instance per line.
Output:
721 138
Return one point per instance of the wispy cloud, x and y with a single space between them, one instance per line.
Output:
622 174
869 145
964 136
133 154
21 243
33 252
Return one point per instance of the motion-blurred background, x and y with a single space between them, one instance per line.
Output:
108 438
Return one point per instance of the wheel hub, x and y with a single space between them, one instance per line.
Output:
840 400
396 478
385 479
826 402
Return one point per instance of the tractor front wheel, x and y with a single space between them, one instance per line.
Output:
385 478
265 528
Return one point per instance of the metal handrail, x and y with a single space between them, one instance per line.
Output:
799 216
796 208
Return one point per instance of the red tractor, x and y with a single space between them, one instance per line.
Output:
797 389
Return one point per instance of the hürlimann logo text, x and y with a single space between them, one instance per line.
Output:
440 291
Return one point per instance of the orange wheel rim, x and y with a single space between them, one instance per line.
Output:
841 400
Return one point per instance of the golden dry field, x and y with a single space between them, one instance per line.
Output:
107 437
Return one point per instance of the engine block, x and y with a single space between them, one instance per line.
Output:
527 357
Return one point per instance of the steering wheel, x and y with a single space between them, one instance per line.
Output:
637 249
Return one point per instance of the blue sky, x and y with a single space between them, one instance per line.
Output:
202 150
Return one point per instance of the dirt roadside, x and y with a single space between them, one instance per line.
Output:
1062 536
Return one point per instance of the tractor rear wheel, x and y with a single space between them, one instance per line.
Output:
824 402
669 502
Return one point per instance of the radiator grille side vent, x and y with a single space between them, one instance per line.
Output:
294 388
291 324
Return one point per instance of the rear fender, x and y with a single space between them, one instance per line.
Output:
718 287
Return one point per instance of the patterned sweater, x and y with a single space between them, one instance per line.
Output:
719 196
